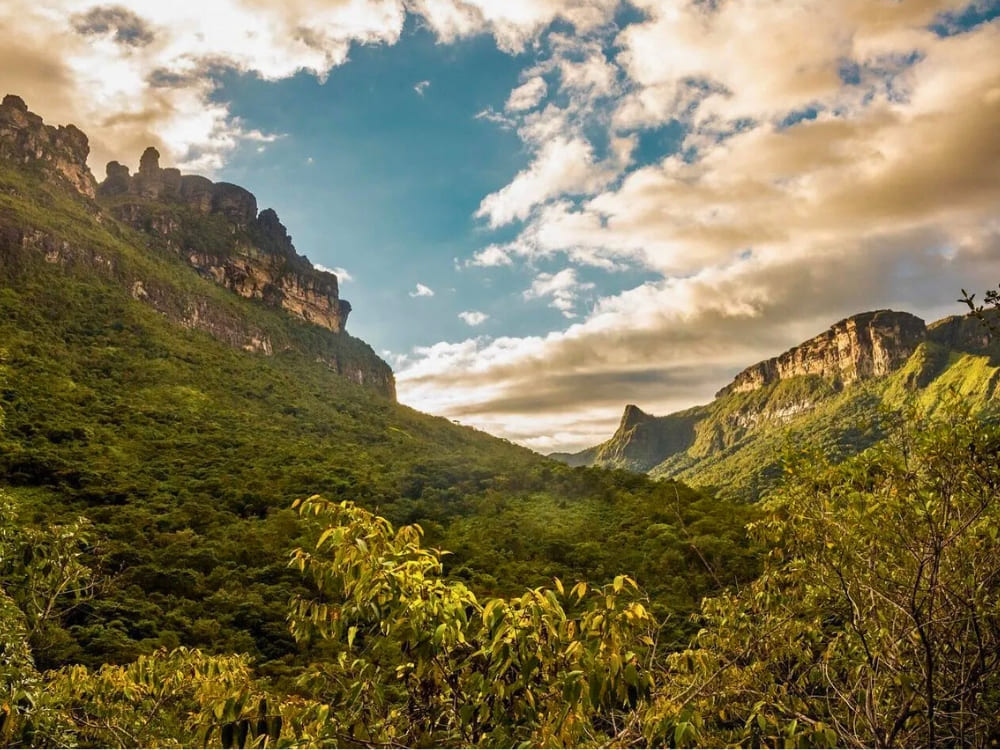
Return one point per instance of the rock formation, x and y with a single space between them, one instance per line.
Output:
769 396
963 332
215 227
256 258
61 152
863 346
642 440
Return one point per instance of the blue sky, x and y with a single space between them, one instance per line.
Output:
379 169
628 202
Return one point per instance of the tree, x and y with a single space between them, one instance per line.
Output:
877 619
417 660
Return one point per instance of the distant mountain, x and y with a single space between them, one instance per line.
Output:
832 392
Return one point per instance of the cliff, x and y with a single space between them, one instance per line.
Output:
253 255
642 440
863 346
59 153
829 392
213 228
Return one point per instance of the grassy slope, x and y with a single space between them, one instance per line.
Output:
186 454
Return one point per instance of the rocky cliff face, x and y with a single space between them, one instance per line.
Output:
60 152
863 346
743 431
642 440
254 255
963 332
214 227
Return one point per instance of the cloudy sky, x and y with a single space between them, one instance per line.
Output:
542 210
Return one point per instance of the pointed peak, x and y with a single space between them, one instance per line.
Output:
633 415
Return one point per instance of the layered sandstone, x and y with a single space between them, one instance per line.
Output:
256 259
215 227
863 346
60 152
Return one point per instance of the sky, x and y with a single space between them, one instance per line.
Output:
542 210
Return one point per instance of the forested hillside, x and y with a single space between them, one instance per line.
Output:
834 396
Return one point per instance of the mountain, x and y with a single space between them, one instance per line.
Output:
832 392
215 227
173 372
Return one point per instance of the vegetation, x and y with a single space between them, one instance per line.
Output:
875 622
185 454
156 589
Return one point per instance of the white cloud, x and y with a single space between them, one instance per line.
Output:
491 115
563 165
422 291
421 87
341 273
762 233
494 255
527 96
147 67
473 317
563 287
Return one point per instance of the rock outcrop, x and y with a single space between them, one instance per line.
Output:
863 346
214 227
642 440
735 441
964 332
253 256
60 152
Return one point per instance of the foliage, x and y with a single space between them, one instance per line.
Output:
877 619
185 453
421 662
991 303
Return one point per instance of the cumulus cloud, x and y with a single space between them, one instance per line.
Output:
473 317
563 288
421 87
422 290
563 165
527 96
124 26
835 158
141 72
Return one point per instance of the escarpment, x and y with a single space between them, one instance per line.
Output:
248 252
863 346
60 153
831 391
214 228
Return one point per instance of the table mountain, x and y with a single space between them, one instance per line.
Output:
214 227
833 392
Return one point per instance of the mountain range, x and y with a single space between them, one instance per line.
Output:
832 393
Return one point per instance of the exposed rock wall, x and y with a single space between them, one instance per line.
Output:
256 260
18 246
863 346
642 440
61 152
215 227
963 332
